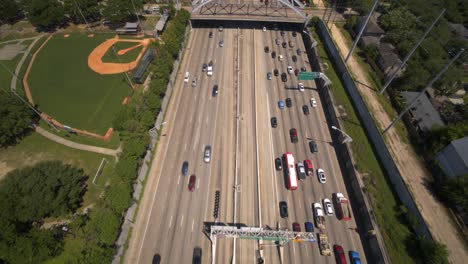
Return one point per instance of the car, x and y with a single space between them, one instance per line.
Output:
283 206
294 58
305 109
303 69
284 77
296 227
294 34
288 102
274 122
186 77
309 227
276 72
156 259
277 41
284 45
354 257
280 57
197 256
301 172
220 28
282 33
204 67
281 104
296 72
291 44
210 63
318 210
309 167
293 135
184 168
290 69
269 76
207 154
266 49
300 87
192 181
264 29
278 164
210 35
313 102
214 93
221 43
299 52
273 55
339 254
328 206
194 81
321 176
313 146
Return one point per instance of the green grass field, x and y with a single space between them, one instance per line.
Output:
64 87
130 56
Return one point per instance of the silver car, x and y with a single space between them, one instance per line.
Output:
207 155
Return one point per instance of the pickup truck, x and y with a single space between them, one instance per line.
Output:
319 216
343 211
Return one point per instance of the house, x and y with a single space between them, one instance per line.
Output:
388 60
423 113
460 30
454 158
158 29
129 28
372 33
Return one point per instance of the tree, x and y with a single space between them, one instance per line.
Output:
45 14
455 191
10 11
15 119
77 9
121 10
431 251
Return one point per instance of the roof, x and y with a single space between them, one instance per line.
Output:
368 40
423 111
371 28
388 56
162 22
131 25
461 147
459 29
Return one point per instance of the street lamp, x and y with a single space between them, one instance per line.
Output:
314 42
347 138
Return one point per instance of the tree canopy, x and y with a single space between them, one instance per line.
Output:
10 11
431 251
77 9
121 10
45 14
15 119
455 191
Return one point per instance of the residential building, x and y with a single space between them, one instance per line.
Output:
454 158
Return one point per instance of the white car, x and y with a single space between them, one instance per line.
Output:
318 210
207 154
313 102
321 176
328 206
264 29
290 69
187 77
300 86
221 43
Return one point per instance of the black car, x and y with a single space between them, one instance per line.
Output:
282 33
197 256
293 135
184 168
288 102
204 67
303 69
284 45
156 259
210 35
283 206
278 164
294 58
313 146
267 49
305 109
276 72
284 77
294 33
215 90
299 51
273 55
274 122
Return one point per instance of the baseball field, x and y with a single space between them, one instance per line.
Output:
64 86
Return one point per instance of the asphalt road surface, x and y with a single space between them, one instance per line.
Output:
236 124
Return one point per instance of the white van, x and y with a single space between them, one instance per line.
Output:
280 57
187 77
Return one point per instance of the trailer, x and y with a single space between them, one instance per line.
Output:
343 210
324 246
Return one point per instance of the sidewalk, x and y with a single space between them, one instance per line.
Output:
410 166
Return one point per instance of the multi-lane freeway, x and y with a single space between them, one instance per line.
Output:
236 124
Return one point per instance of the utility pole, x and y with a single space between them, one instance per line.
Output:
424 90
403 63
362 30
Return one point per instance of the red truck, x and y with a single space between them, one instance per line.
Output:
343 211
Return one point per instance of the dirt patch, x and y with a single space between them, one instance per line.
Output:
9 51
4 169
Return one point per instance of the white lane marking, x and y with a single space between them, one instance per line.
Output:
198 184
182 221
193 223
170 222
178 181
185 146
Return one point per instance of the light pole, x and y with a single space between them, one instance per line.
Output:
347 138
314 42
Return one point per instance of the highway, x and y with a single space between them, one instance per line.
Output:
236 124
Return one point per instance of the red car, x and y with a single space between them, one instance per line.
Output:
293 135
296 227
192 181
296 72
309 167
339 254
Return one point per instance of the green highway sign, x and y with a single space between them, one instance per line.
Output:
302 76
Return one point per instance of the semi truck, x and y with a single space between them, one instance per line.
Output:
343 211
324 246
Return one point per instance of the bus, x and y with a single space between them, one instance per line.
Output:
291 171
